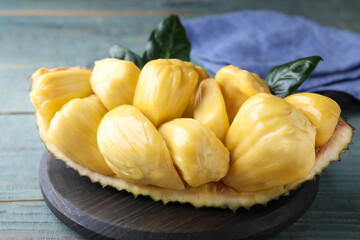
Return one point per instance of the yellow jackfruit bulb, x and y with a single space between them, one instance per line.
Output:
197 153
114 81
322 111
135 150
237 86
51 89
73 131
164 89
271 142
202 73
36 75
210 108
189 111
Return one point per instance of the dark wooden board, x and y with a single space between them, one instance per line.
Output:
100 213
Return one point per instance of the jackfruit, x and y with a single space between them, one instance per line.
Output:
164 89
322 111
73 131
269 137
189 111
197 153
145 162
114 81
237 86
51 89
135 150
210 108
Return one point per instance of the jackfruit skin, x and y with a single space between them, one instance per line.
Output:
323 112
73 131
237 86
269 137
114 81
135 150
164 89
195 150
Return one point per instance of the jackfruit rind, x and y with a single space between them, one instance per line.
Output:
216 194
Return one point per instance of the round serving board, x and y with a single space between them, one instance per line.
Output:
101 213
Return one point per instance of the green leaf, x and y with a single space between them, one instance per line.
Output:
168 40
285 79
119 52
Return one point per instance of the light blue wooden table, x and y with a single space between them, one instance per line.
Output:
40 33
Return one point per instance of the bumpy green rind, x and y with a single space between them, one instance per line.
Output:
216 194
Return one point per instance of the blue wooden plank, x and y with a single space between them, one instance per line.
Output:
97 5
31 220
69 41
14 89
327 218
19 133
20 154
315 10
20 179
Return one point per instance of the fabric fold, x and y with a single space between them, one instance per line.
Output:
259 40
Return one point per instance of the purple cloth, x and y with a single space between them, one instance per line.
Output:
259 40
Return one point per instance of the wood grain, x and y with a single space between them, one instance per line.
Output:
19 180
26 140
20 150
31 220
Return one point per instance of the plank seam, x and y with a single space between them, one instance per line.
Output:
17 113
85 13
26 200
336 197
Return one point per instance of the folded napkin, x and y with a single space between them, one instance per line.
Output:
259 40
